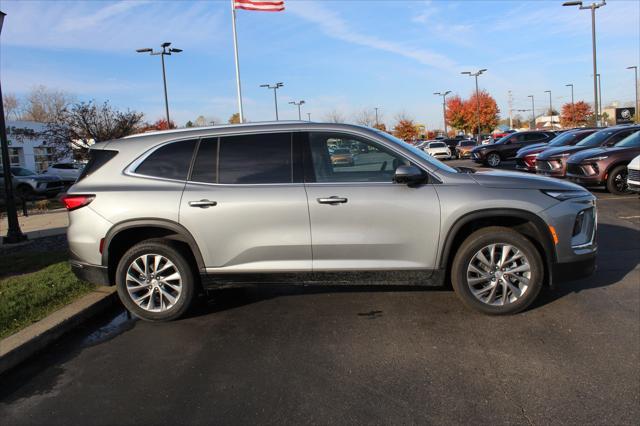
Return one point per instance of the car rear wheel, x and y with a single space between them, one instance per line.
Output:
493 159
155 281
497 271
617 181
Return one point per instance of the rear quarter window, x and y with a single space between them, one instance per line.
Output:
170 161
97 159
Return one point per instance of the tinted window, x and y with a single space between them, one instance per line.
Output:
530 137
632 141
170 161
97 159
251 159
205 168
370 163
596 139
619 137
436 145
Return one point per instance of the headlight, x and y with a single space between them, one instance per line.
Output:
602 157
566 195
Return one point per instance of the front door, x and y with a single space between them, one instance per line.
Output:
360 220
246 206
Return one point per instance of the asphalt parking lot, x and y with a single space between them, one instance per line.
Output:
291 355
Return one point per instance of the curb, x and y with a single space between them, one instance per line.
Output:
25 343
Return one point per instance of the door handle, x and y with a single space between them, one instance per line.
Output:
203 204
332 200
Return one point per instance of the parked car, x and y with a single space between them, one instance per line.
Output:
27 184
507 147
553 161
438 150
633 176
451 143
526 157
161 215
464 147
605 166
342 157
67 172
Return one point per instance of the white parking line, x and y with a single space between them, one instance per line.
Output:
617 198
628 217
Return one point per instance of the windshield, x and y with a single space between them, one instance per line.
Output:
436 145
467 143
631 141
19 171
596 139
417 152
564 139
504 138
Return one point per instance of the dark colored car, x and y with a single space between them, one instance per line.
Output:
464 148
507 147
451 143
605 166
553 161
526 157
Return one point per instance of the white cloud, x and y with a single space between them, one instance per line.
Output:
336 27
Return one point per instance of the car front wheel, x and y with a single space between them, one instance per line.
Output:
493 159
497 271
617 181
155 281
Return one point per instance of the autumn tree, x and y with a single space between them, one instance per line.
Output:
457 114
365 117
11 105
234 119
576 115
463 114
160 124
405 128
380 126
45 105
74 128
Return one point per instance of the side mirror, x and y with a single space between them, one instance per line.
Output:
409 175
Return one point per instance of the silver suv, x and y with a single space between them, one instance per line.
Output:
166 215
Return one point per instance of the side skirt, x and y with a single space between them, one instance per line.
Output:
428 278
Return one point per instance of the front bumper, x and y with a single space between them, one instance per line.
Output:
633 186
94 274
570 271
522 165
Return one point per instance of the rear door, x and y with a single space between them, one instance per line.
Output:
246 206
513 144
360 219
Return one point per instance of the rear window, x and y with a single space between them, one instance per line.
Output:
170 161
97 159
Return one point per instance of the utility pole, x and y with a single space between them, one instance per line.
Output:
298 104
637 114
600 96
165 51
444 110
14 234
275 88
573 105
309 116
510 110
476 74
376 108
550 108
593 8
533 113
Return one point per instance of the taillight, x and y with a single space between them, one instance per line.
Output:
73 201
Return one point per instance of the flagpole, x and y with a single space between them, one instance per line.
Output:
235 53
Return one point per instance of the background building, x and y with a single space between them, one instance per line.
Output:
27 145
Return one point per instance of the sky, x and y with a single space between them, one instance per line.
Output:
345 55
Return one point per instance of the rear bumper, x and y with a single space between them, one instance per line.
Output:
90 273
570 271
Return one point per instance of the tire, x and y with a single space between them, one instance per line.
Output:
528 281
493 159
131 284
617 181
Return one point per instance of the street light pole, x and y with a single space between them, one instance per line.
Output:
573 105
637 114
166 50
550 108
298 104
533 113
593 8
376 108
14 234
444 109
309 116
600 96
476 74
275 88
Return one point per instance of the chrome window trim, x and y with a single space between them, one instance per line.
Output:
130 169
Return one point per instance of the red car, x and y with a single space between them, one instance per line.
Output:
526 157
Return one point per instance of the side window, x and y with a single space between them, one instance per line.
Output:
170 161
205 168
530 137
344 158
618 137
252 159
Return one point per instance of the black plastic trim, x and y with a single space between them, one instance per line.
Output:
94 274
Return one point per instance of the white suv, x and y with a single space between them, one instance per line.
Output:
438 150
633 177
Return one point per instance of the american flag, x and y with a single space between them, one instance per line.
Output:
261 6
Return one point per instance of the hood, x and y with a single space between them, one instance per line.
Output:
518 180
597 152
536 147
553 152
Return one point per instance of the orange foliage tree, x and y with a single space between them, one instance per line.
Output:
405 129
462 114
576 115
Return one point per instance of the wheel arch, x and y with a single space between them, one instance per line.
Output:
123 235
529 224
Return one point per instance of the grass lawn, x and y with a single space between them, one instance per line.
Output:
20 263
27 298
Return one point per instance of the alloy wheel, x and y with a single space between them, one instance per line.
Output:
620 181
498 274
493 160
153 282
